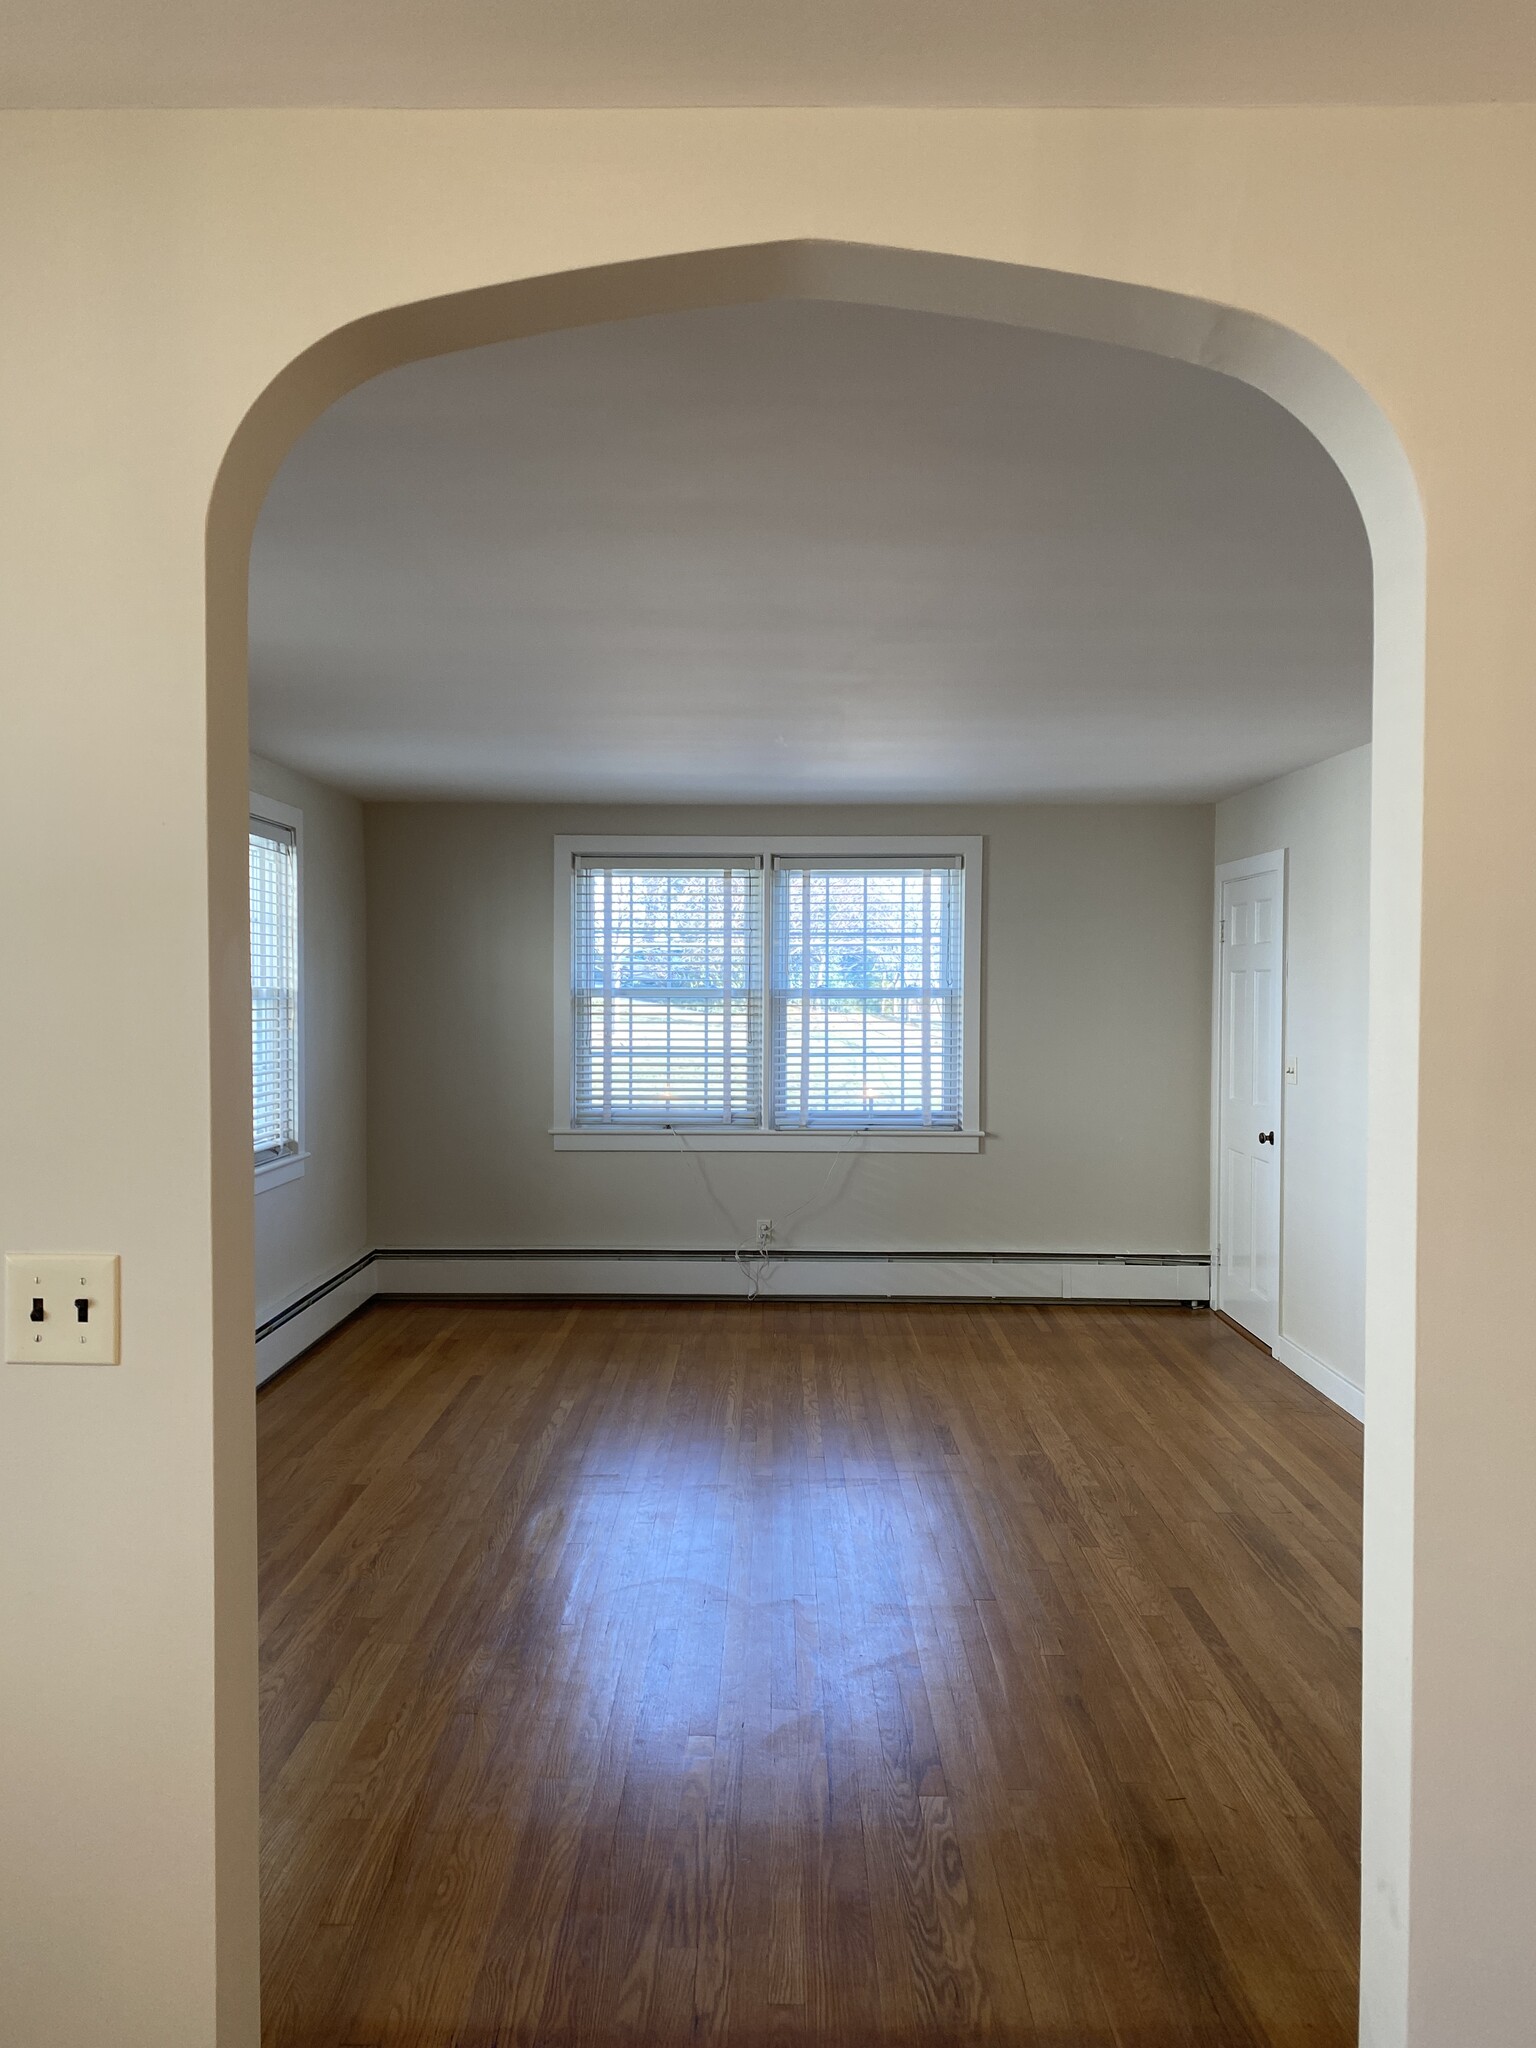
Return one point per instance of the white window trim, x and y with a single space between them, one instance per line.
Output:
569 1138
276 1173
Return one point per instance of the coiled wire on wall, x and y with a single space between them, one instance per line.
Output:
755 1260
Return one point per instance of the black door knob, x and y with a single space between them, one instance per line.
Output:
1266 1137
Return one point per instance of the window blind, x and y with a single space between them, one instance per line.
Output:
867 974
274 856
666 992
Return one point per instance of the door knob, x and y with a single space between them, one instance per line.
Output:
1266 1137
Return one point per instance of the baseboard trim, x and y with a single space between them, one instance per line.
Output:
717 1275
989 1276
1332 1385
303 1322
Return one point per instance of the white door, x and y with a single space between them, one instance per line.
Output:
1250 1056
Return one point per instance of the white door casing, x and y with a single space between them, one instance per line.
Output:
1249 1134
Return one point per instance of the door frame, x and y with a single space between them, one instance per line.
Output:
1276 863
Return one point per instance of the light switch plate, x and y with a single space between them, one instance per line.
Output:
61 1281
1292 1070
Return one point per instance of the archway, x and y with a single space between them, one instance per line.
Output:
1300 377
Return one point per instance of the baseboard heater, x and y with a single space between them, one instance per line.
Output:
723 1275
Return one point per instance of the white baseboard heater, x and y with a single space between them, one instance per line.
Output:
723 1275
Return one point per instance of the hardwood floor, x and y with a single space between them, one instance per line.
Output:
666 1673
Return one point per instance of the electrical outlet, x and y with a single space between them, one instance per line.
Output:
764 1231
1292 1070
61 1308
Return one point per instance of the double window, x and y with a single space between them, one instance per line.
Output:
275 1077
781 990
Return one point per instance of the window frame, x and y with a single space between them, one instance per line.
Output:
288 1166
765 1137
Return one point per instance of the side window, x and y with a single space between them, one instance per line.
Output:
275 1097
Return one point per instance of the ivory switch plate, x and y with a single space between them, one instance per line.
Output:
44 1321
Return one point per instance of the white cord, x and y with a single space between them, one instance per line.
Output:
753 1260
754 1264
853 1141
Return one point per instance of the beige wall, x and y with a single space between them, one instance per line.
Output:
1095 1031
1321 816
162 271
309 1228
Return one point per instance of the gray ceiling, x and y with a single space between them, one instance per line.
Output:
611 53
806 551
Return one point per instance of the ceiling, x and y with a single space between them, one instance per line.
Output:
564 53
807 551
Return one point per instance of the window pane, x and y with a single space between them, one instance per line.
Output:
274 989
867 997
666 994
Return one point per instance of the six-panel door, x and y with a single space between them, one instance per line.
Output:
1249 1136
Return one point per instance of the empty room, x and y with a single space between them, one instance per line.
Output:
809 939
765 997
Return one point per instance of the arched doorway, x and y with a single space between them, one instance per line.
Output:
1297 375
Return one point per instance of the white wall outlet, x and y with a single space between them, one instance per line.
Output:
61 1308
764 1230
1292 1069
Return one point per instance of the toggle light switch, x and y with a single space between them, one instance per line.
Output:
61 1308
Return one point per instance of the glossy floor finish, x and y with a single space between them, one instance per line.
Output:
666 1673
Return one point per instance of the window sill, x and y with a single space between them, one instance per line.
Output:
591 1140
279 1171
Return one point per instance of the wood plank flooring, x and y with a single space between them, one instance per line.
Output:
659 1673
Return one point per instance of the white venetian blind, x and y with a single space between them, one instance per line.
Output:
274 989
666 992
868 966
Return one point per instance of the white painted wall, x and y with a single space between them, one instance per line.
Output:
1322 817
311 1227
1095 1046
